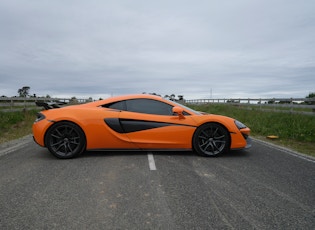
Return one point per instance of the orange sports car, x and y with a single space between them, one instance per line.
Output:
136 122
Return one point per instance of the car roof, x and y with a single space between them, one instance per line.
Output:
125 97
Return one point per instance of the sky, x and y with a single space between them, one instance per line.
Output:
199 49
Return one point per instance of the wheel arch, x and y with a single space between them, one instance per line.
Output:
213 122
69 121
196 147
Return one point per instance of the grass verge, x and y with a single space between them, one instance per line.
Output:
14 125
295 131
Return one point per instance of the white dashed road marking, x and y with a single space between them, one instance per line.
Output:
151 161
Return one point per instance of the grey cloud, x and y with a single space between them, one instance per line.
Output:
241 48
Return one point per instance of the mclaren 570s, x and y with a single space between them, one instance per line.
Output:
136 122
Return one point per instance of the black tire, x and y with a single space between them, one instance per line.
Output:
211 139
65 140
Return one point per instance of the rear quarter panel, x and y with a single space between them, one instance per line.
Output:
91 121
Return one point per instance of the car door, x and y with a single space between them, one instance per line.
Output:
151 124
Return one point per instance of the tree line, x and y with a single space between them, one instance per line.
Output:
25 92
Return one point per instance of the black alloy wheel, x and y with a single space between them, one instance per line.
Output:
211 139
65 140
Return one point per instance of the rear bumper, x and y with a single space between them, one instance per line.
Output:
34 139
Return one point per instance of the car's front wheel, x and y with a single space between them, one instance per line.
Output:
65 140
211 139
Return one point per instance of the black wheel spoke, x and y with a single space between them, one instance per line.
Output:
74 140
204 133
215 132
209 145
59 146
220 137
204 143
216 147
56 136
58 133
57 143
69 147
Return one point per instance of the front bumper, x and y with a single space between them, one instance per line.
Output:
247 146
248 143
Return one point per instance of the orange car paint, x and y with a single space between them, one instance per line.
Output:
90 117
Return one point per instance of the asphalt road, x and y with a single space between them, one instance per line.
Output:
261 188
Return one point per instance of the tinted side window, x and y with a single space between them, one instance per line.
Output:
119 105
149 106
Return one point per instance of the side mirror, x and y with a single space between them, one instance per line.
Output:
179 111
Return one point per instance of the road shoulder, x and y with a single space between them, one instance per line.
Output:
13 145
286 150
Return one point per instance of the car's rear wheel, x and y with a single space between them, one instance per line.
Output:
65 140
211 139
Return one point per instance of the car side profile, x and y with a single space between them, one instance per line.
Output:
136 122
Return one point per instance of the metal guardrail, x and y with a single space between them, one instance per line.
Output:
10 104
25 103
266 104
253 100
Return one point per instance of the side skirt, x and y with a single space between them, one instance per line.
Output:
134 150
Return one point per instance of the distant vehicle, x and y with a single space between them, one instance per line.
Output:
136 122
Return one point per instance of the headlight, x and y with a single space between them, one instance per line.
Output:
239 124
39 117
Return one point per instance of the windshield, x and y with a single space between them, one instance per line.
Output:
187 108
